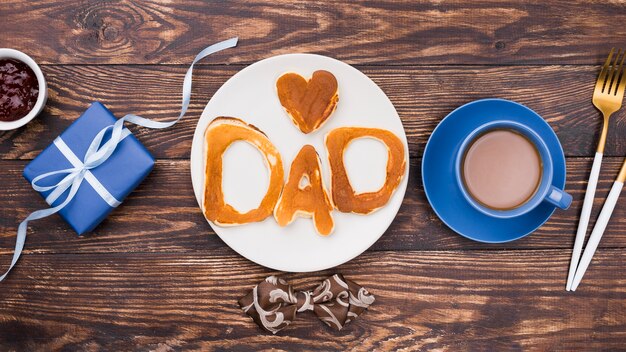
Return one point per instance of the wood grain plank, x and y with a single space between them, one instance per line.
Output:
162 216
421 95
365 32
476 300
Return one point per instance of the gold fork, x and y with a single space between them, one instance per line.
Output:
607 97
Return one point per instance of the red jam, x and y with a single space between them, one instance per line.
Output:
19 89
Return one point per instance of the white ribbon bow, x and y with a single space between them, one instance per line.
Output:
97 154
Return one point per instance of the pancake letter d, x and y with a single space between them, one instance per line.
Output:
344 197
221 133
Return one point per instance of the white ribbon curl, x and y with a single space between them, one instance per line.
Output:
97 154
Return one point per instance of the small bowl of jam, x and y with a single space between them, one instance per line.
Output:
23 89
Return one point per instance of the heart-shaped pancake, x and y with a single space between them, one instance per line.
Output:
308 103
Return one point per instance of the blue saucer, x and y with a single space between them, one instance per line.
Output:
442 190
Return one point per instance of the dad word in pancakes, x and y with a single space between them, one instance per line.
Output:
309 104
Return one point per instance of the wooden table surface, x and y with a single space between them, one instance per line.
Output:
154 276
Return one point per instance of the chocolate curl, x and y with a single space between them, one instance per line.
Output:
273 304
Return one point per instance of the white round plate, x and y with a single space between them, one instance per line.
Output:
251 96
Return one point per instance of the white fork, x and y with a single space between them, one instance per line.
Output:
607 97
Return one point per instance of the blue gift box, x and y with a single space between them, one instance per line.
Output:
129 164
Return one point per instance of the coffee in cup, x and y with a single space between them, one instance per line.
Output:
501 169
504 170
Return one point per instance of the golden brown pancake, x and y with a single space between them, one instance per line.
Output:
309 199
308 103
219 135
344 196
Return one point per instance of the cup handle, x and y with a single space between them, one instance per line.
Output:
558 198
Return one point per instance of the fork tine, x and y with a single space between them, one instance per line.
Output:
610 79
603 73
619 82
622 85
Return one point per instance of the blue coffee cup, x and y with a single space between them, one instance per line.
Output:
545 192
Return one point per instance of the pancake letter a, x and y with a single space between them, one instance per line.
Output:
304 194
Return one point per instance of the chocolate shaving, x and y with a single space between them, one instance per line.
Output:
273 304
